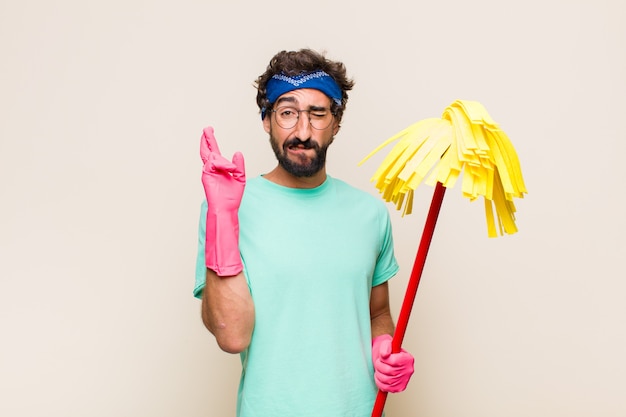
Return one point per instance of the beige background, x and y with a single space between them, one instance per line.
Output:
102 106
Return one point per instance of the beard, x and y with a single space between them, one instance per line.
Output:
301 167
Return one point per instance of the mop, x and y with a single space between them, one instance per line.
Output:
465 142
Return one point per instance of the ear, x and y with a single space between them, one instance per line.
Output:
267 122
336 128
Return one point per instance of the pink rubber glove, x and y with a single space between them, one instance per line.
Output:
392 371
223 182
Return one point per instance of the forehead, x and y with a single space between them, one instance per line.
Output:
305 97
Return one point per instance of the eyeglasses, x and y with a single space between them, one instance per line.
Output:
287 117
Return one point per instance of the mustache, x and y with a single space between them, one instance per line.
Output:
306 144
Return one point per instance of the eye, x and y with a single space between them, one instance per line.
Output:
287 112
318 114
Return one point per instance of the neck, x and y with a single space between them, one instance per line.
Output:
281 177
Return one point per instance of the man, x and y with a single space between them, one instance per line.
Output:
293 265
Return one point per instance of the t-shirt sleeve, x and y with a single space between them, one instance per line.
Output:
386 264
200 259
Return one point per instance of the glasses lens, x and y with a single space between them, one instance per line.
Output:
320 120
287 117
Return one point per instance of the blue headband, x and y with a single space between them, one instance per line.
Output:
280 84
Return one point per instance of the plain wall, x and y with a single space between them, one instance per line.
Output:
102 106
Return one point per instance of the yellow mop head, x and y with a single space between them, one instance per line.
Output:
464 140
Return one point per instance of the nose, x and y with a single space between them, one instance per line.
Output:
303 126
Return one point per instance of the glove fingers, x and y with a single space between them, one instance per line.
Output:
390 385
217 163
385 371
402 358
385 348
391 380
392 372
208 144
239 173
388 379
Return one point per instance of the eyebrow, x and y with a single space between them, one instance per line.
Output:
288 98
293 100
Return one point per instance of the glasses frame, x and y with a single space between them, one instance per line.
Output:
330 120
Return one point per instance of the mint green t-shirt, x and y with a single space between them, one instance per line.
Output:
311 258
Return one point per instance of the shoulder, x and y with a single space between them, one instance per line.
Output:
356 194
257 185
361 204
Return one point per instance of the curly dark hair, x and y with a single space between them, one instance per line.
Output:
305 60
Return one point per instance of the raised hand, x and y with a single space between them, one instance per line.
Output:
224 182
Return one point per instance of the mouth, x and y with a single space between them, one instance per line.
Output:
299 146
300 158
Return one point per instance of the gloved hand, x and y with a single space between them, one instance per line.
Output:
392 371
223 182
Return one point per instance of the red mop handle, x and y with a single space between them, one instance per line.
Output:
414 281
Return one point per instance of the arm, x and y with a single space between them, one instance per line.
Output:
228 311
392 371
380 313
227 307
